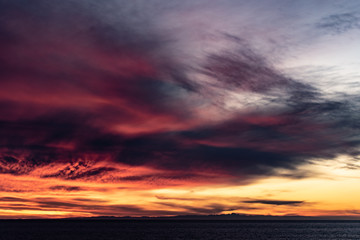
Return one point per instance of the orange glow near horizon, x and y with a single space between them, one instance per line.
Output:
34 197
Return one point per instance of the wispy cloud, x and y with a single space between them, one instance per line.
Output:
65 188
340 23
276 202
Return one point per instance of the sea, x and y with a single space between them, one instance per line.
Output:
176 230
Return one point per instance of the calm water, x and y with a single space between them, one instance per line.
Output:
219 230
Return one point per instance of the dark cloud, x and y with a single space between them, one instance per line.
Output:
155 177
65 188
76 83
276 202
13 199
76 172
340 23
57 205
206 210
178 198
13 190
16 165
89 200
244 70
95 207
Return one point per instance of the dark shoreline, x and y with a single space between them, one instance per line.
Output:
186 220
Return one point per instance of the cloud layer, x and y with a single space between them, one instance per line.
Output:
76 85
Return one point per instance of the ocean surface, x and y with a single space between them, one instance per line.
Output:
202 230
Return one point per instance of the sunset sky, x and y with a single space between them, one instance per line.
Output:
169 107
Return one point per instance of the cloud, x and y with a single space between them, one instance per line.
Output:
276 202
243 69
158 177
339 23
13 199
178 198
214 208
95 207
89 200
76 85
68 173
65 188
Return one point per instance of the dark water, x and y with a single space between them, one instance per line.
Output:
219 230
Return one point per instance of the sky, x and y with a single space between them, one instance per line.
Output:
165 108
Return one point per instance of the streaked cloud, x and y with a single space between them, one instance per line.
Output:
275 202
340 23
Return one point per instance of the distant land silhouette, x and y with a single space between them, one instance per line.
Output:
232 216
